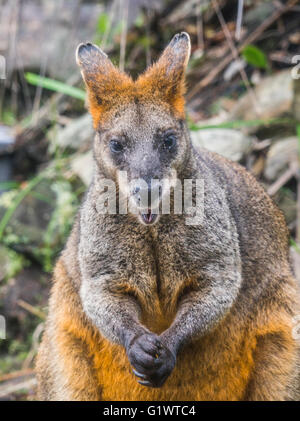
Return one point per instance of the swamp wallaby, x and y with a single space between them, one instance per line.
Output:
145 306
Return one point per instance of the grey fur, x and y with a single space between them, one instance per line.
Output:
234 264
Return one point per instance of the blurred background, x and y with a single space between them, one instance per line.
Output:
243 101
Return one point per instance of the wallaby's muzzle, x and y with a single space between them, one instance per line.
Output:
147 197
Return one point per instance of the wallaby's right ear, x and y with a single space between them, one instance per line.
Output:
92 60
103 80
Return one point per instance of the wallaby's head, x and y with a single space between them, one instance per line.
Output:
140 125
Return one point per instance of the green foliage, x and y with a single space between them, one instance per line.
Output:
294 245
8 185
16 200
60 223
9 363
255 56
105 32
298 135
103 23
62 203
139 21
145 41
8 118
11 262
54 85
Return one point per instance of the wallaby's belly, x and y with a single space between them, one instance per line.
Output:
206 370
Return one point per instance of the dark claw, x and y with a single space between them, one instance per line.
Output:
137 374
145 383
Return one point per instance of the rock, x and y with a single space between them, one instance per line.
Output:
83 165
274 97
280 155
286 201
230 143
7 142
47 33
257 14
79 133
7 139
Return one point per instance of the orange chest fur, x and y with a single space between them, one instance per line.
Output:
215 368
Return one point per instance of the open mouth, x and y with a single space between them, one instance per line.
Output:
149 217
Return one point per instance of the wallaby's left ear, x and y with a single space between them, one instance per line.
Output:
167 76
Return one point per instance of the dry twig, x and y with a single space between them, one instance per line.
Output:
249 39
32 309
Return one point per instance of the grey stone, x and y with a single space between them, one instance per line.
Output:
82 165
230 143
79 133
273 97
280 155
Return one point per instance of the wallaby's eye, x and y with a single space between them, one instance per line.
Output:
115 146
170 140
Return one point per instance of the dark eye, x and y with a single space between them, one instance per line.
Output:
170 141
115 146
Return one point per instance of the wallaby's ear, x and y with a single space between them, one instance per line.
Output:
103 80
166 77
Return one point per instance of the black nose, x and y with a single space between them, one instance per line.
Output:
136 189
142 193
146 192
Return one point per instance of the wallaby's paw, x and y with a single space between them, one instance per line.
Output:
153 362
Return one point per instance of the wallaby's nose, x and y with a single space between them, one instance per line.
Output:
146 192
142 193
